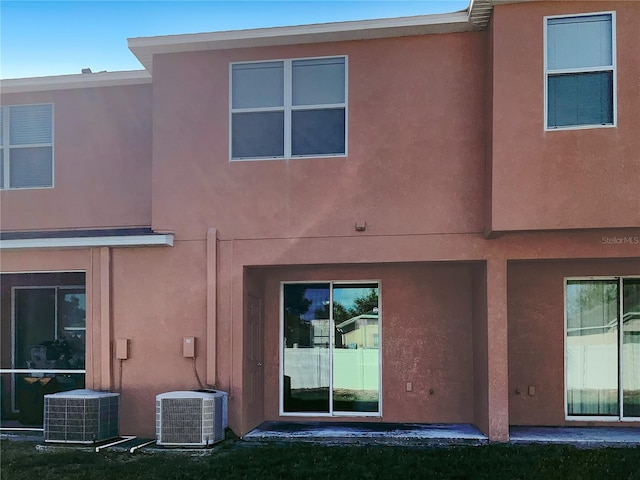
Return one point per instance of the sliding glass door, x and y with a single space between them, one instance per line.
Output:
603 347
47 349
330 353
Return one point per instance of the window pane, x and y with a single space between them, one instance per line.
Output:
318 132
1 128
579 42
1 168
356 359
72 326
592 347
259 134
29 124
31 167
580 99
631 347
35 324
256 85
306 348
318 81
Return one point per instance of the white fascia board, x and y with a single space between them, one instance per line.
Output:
158 240
80 80
145 47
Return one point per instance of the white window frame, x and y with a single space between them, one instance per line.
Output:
6 147
597 418
288 107
330 413
612 68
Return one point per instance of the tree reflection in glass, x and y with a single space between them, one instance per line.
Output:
356 366
306 348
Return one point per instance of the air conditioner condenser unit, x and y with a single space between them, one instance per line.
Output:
81 416
190 418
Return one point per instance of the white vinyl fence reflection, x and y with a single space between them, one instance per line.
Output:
356 369
595 366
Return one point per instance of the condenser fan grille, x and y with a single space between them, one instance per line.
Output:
190 418
81 416
182 420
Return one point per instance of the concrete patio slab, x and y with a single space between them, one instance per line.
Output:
580 436
370 433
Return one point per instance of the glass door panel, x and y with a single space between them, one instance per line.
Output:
72 327
48 349
631 347
592 347
35 328
356 356
306 356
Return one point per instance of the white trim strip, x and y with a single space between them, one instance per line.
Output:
78 242
42 371
19 429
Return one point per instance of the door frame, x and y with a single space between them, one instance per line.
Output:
330 413
598 418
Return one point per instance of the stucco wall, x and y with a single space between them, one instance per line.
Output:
426 338
102 162
415 160
581 178
159 297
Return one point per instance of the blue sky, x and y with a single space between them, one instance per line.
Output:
54 37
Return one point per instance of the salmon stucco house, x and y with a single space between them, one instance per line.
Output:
431 219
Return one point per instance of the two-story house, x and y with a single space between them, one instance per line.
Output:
428 219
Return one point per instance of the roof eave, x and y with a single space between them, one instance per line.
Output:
145 47
476 17
80 80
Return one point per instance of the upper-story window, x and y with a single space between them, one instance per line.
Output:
26 146
289 108
580 71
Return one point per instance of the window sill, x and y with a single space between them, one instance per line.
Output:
11 189
579 127
601 418
296 157
331 415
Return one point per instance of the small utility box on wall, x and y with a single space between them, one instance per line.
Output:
122 348
189 347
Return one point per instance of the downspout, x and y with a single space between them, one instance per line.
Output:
212 306
105 318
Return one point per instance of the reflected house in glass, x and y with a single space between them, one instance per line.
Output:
360 331
351 219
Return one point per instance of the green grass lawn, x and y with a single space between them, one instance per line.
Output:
236 460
